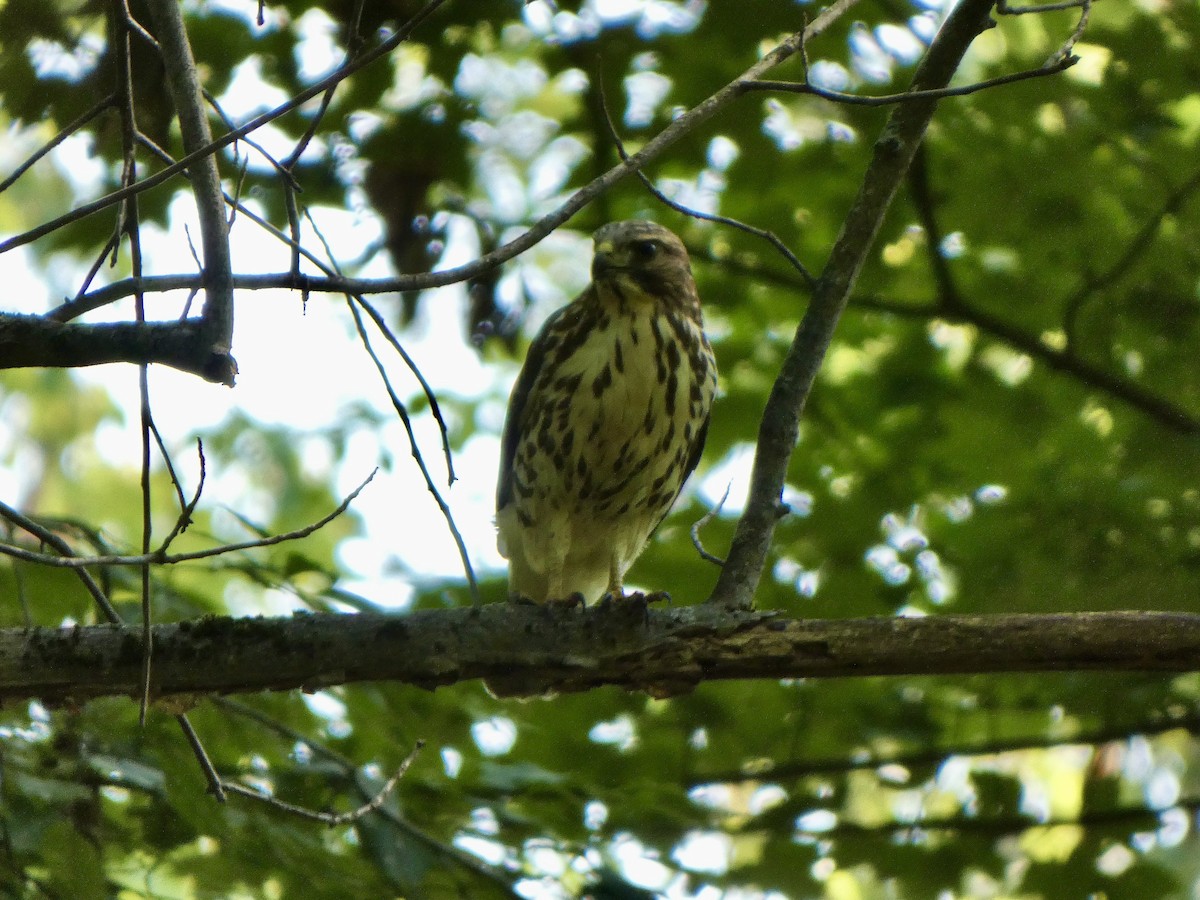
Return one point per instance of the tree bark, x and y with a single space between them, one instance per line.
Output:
34 341
538 650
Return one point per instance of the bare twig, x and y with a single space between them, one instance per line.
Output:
355 303
704 520
128 223
280 170
46 536
934 756
768 236
1000 826
161 558
952 306
186 507
353 46
66 132
1136 248
1059 64
1004 9
435 408
331 819
415 450
215 786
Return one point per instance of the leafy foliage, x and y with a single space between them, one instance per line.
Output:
987 434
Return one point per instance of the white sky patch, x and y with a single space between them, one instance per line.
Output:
248 94
595 814
704 851
639 865
494 736
732 472
619 732
317 53
489 851
452 762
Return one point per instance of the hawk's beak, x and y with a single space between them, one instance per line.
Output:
603 262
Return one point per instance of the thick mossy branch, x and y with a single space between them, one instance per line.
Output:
536 650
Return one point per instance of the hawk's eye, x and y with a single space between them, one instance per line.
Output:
646 250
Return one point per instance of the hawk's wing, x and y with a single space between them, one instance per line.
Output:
693 461
514 421
697 448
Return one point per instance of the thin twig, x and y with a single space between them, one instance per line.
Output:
62 135
165 456
1136 248
703 521
1060 64
936 756
46 536
1004 9
354 44
282 172
158 557
415 450
186 507
215 786
768 236
435 408
109 247
331 819
131 225
247 711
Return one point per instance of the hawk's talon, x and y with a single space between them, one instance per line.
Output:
569 602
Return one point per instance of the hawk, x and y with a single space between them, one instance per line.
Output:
606 421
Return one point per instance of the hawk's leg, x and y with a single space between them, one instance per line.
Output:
616 580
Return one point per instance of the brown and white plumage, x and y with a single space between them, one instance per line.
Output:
606 421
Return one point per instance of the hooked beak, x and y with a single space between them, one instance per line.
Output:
603 262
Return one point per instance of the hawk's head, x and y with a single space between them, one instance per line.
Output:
642 262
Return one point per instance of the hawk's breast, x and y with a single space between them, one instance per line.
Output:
613 420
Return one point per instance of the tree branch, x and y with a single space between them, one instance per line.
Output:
35 341
679 127
779 430
538 650
184 81
1053 67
